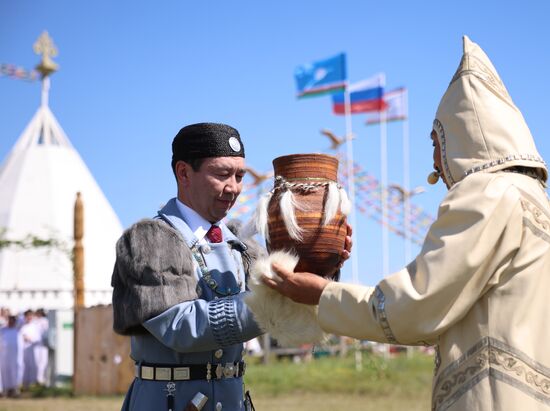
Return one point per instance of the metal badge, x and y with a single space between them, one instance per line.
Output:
147 373
181 373
163 374
234 144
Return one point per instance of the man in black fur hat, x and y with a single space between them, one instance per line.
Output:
179 280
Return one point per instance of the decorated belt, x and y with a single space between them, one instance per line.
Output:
159 372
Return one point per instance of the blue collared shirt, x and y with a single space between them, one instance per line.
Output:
198 225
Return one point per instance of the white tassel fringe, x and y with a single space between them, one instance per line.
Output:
258 223
332 202
345 204
288 204
261 215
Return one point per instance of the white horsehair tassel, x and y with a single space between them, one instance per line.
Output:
287 204
261 215
345 204
258 223
332 202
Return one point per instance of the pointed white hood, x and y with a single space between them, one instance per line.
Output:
478 126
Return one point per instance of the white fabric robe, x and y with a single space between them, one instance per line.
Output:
31 338
41 350
479 287
478 291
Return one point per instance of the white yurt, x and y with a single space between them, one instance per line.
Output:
39 182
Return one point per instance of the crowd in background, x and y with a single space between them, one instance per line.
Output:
23 350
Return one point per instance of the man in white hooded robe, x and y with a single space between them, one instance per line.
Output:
478 289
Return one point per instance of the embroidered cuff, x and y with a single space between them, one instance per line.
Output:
223 321
380 308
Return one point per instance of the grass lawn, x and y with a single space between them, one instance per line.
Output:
323 384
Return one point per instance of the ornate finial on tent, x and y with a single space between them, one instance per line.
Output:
44 46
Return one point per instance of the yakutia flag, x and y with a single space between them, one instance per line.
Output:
396 107
365 96
321 77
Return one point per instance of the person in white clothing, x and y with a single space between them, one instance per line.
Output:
11 358
41 347
31 337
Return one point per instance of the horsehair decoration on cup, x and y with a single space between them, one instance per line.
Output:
306 211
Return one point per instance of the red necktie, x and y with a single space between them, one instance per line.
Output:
214 235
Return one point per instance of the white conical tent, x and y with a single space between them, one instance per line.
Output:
38 185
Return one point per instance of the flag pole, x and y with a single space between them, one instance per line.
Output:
351 180
406 178
407 187
351 192
383 189
384 199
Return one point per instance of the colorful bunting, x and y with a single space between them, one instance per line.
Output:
20 73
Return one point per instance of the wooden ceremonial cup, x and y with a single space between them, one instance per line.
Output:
320 250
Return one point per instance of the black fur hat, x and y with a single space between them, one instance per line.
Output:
203 140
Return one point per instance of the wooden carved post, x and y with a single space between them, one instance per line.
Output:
78 269
78 252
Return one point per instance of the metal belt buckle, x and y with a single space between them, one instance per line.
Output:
147 373
229 370
163 374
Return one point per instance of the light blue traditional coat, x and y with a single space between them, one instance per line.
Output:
208 329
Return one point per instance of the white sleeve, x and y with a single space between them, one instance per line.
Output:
476 235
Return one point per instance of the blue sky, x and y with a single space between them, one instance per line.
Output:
133 72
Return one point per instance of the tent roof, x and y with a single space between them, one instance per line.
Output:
38 184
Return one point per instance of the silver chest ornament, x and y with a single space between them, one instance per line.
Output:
222 284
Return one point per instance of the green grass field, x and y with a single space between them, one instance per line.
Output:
324 384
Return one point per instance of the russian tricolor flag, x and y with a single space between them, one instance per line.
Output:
365 96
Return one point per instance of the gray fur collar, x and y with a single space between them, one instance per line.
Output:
153 272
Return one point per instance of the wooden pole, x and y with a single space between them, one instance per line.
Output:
78 252
78 270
